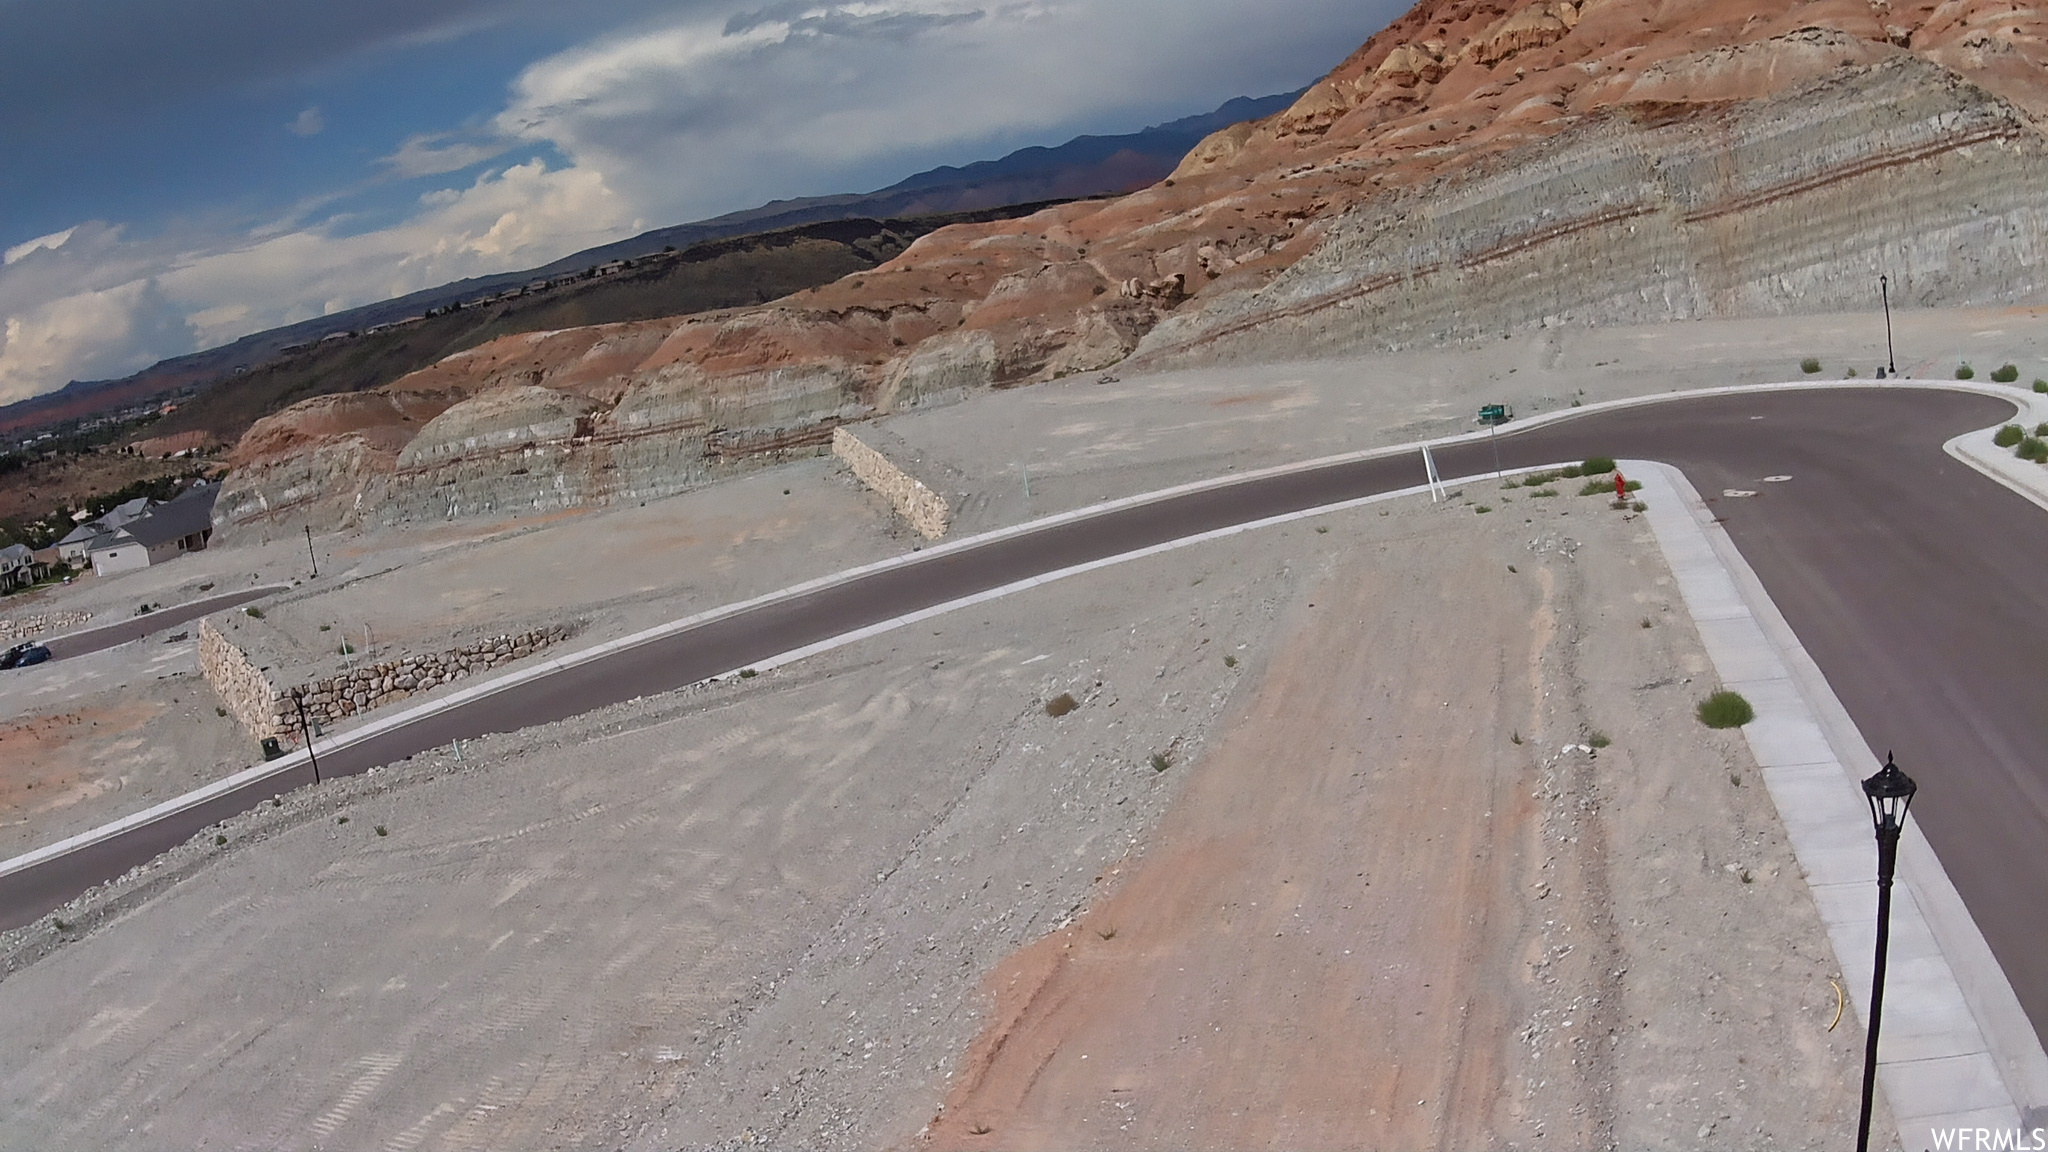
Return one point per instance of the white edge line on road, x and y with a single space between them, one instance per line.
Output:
1969 1056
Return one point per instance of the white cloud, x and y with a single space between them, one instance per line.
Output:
80 336
435 154
722 107
53 241
720 112
124 305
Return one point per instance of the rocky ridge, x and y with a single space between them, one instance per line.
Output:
1477 167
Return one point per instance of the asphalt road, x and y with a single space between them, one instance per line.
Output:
1913 581
136 627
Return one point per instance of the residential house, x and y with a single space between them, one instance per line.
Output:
82 540
169 530
19 567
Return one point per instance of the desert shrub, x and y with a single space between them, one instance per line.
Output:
1599 740
1542 492
748 673
1539 480
2041 429
1595 465
2009 435
2006 374
1810 365
1571 472
2032 448
1061 704
2041 385
1965 372
253 612
1852 373
1595 487
1482 510
1230 661
1725 709
1161 762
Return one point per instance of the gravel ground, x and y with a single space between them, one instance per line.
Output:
782 911
608 572
772 912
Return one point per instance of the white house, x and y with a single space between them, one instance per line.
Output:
80 541
169 530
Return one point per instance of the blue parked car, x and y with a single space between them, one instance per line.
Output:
23 655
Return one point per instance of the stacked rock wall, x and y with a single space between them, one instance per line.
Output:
248 694
387 682
17 628
925 509
244 690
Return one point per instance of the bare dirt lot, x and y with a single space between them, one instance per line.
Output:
1283 878
1389 912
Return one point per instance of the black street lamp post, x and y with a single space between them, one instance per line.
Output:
1891 359
1890 791
306 733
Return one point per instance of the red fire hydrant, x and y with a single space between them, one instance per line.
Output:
1620 486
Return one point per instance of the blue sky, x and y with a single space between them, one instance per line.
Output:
183 173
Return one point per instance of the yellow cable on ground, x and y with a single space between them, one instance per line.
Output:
1838 1005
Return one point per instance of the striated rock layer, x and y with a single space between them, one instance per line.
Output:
1477 167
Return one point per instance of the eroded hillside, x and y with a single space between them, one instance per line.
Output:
1479 166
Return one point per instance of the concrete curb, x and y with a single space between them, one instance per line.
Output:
1957 1050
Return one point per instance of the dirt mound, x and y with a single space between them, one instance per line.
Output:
1459 102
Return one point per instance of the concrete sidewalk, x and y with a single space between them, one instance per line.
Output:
1956 1050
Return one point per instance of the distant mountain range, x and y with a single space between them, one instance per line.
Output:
1082 167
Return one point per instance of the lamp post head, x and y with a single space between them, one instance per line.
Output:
1890 791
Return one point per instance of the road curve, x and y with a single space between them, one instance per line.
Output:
1910 578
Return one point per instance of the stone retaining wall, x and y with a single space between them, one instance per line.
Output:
390 681
925 509
244 690
251 698
35 624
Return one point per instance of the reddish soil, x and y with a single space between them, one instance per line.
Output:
49 761
1326 946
